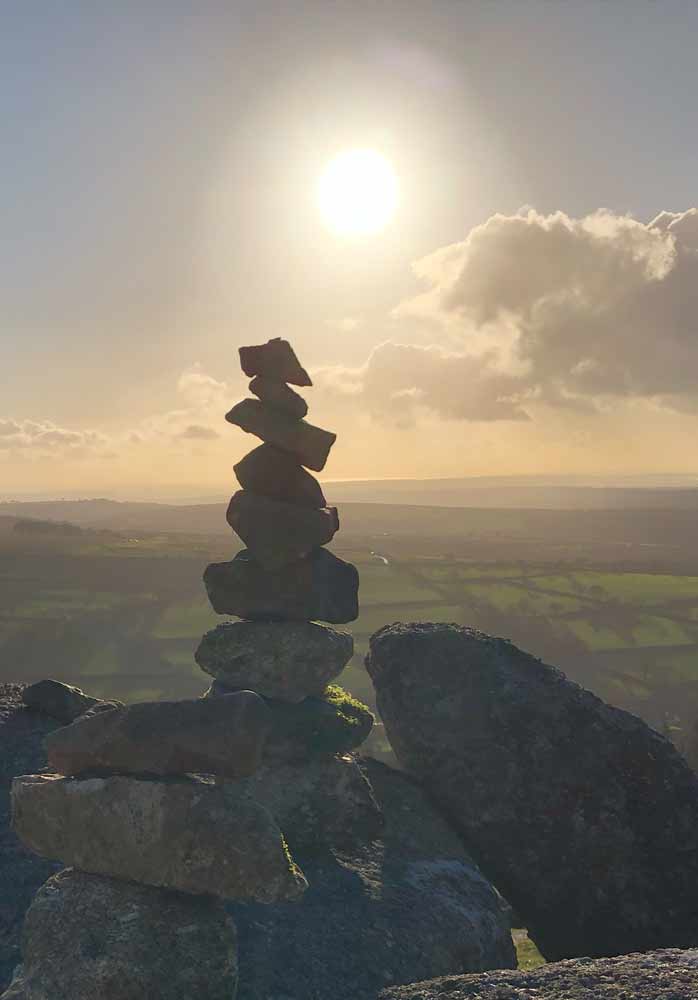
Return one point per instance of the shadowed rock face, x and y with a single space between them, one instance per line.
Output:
60 701
88 937
278 533
310 444
271 472
274 360
280 396
658 975
584 817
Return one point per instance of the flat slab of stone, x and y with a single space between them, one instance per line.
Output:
308 443
190 834
59 701
318 588
280 396
88 937
584 817
278 533
167 737
285 660
333 723
271 472
654 975
276 359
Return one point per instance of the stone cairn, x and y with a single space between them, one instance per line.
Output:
163 810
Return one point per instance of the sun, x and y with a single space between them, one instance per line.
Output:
357 192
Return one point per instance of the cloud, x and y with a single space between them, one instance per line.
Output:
197 432
532 309
44 438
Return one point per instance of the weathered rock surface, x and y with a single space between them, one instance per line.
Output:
88 937
323 801
278 533
276 360
310 444
271 472
584 817
279 395
320 587
57 700
188 834
655 975
225 737
333 723
22 735
408 906
285 660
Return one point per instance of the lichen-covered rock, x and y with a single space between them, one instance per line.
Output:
583 816
57 700
276 532
409 905
86 936
188 834
285 660
225 737
318 803
320 587
333 723
655 975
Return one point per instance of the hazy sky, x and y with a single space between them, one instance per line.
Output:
158 208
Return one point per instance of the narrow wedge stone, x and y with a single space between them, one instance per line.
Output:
278 533
311 445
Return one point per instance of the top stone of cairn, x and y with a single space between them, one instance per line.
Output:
274 360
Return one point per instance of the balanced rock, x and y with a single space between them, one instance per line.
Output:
276 359
310 444
278 533
271 472
188 834
279 395
583 816
224 737
86 936
57 700
656 975
333 723
286 660
320 587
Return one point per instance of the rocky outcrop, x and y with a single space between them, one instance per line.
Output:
188 834
584 817
407 905
88 937
656 975
60 701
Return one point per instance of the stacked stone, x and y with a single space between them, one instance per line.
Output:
284 584
156 842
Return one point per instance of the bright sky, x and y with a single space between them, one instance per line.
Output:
159 204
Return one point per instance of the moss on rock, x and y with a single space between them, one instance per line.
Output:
336 722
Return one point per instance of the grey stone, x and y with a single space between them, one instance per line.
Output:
278 533
321 802
188 834
285 660
87 937
279 395
583 816
320 587
310 444
655 975
224 737
60 701
271 472
334 723
408 905
276 359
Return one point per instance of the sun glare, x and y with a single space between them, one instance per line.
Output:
357 192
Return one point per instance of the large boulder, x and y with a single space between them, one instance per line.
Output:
583 816
285 660
276 360
188 834
279 395
309 444
271 472
225 737
60 701
320 587
277 533
657 975
86 936
409 905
